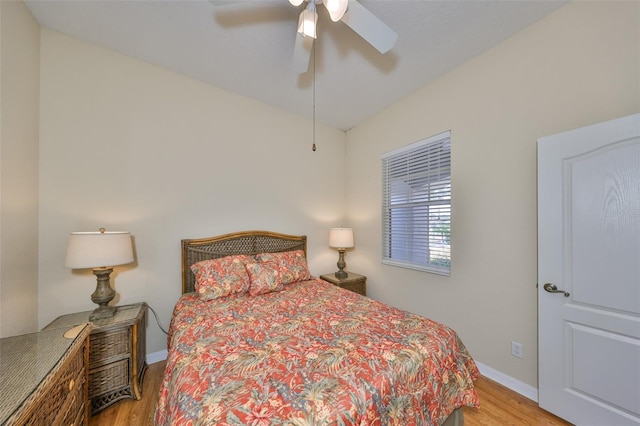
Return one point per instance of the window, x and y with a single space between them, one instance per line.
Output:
416 205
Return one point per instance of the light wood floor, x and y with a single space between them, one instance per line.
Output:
499 406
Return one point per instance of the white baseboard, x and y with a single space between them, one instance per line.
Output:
154 357
507 381
515 385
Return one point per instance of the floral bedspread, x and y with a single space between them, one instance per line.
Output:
311 354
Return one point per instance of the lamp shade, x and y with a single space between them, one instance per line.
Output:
98 249
341 238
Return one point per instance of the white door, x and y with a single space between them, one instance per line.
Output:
589 247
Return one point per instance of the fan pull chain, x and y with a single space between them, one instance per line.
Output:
313 147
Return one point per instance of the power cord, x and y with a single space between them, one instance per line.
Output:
157 319
152 310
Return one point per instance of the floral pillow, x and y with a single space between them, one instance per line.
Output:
264 277
221 277
292 265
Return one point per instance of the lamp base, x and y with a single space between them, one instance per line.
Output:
341 265
103 295
102 312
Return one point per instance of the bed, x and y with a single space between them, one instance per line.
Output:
286 348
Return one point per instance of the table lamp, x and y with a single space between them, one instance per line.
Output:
341 239
99 251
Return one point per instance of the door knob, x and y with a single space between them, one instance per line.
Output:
551 288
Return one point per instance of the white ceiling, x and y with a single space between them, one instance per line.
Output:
246 47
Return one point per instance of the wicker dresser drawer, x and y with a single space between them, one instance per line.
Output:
107 345
61 395
63 388
108 378
76 403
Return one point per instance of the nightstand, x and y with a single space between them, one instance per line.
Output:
354 282
117 354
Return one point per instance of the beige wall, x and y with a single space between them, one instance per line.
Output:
19 68
129 146
576 67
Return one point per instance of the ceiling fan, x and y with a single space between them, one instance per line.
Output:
352 13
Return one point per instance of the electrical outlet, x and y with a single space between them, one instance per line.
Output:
516 349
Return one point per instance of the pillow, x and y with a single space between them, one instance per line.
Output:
264 277
221 277
292 265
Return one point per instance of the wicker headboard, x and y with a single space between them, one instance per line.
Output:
247 242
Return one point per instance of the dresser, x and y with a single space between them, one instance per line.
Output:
43 377
352 282
117 355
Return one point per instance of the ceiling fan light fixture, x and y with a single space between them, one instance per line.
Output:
336 8
296 2
308 20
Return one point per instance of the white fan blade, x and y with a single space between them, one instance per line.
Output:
369 27
302 53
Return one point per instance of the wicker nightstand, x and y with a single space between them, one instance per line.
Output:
354 282
117 354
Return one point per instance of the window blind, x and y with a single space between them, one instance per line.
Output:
416 205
